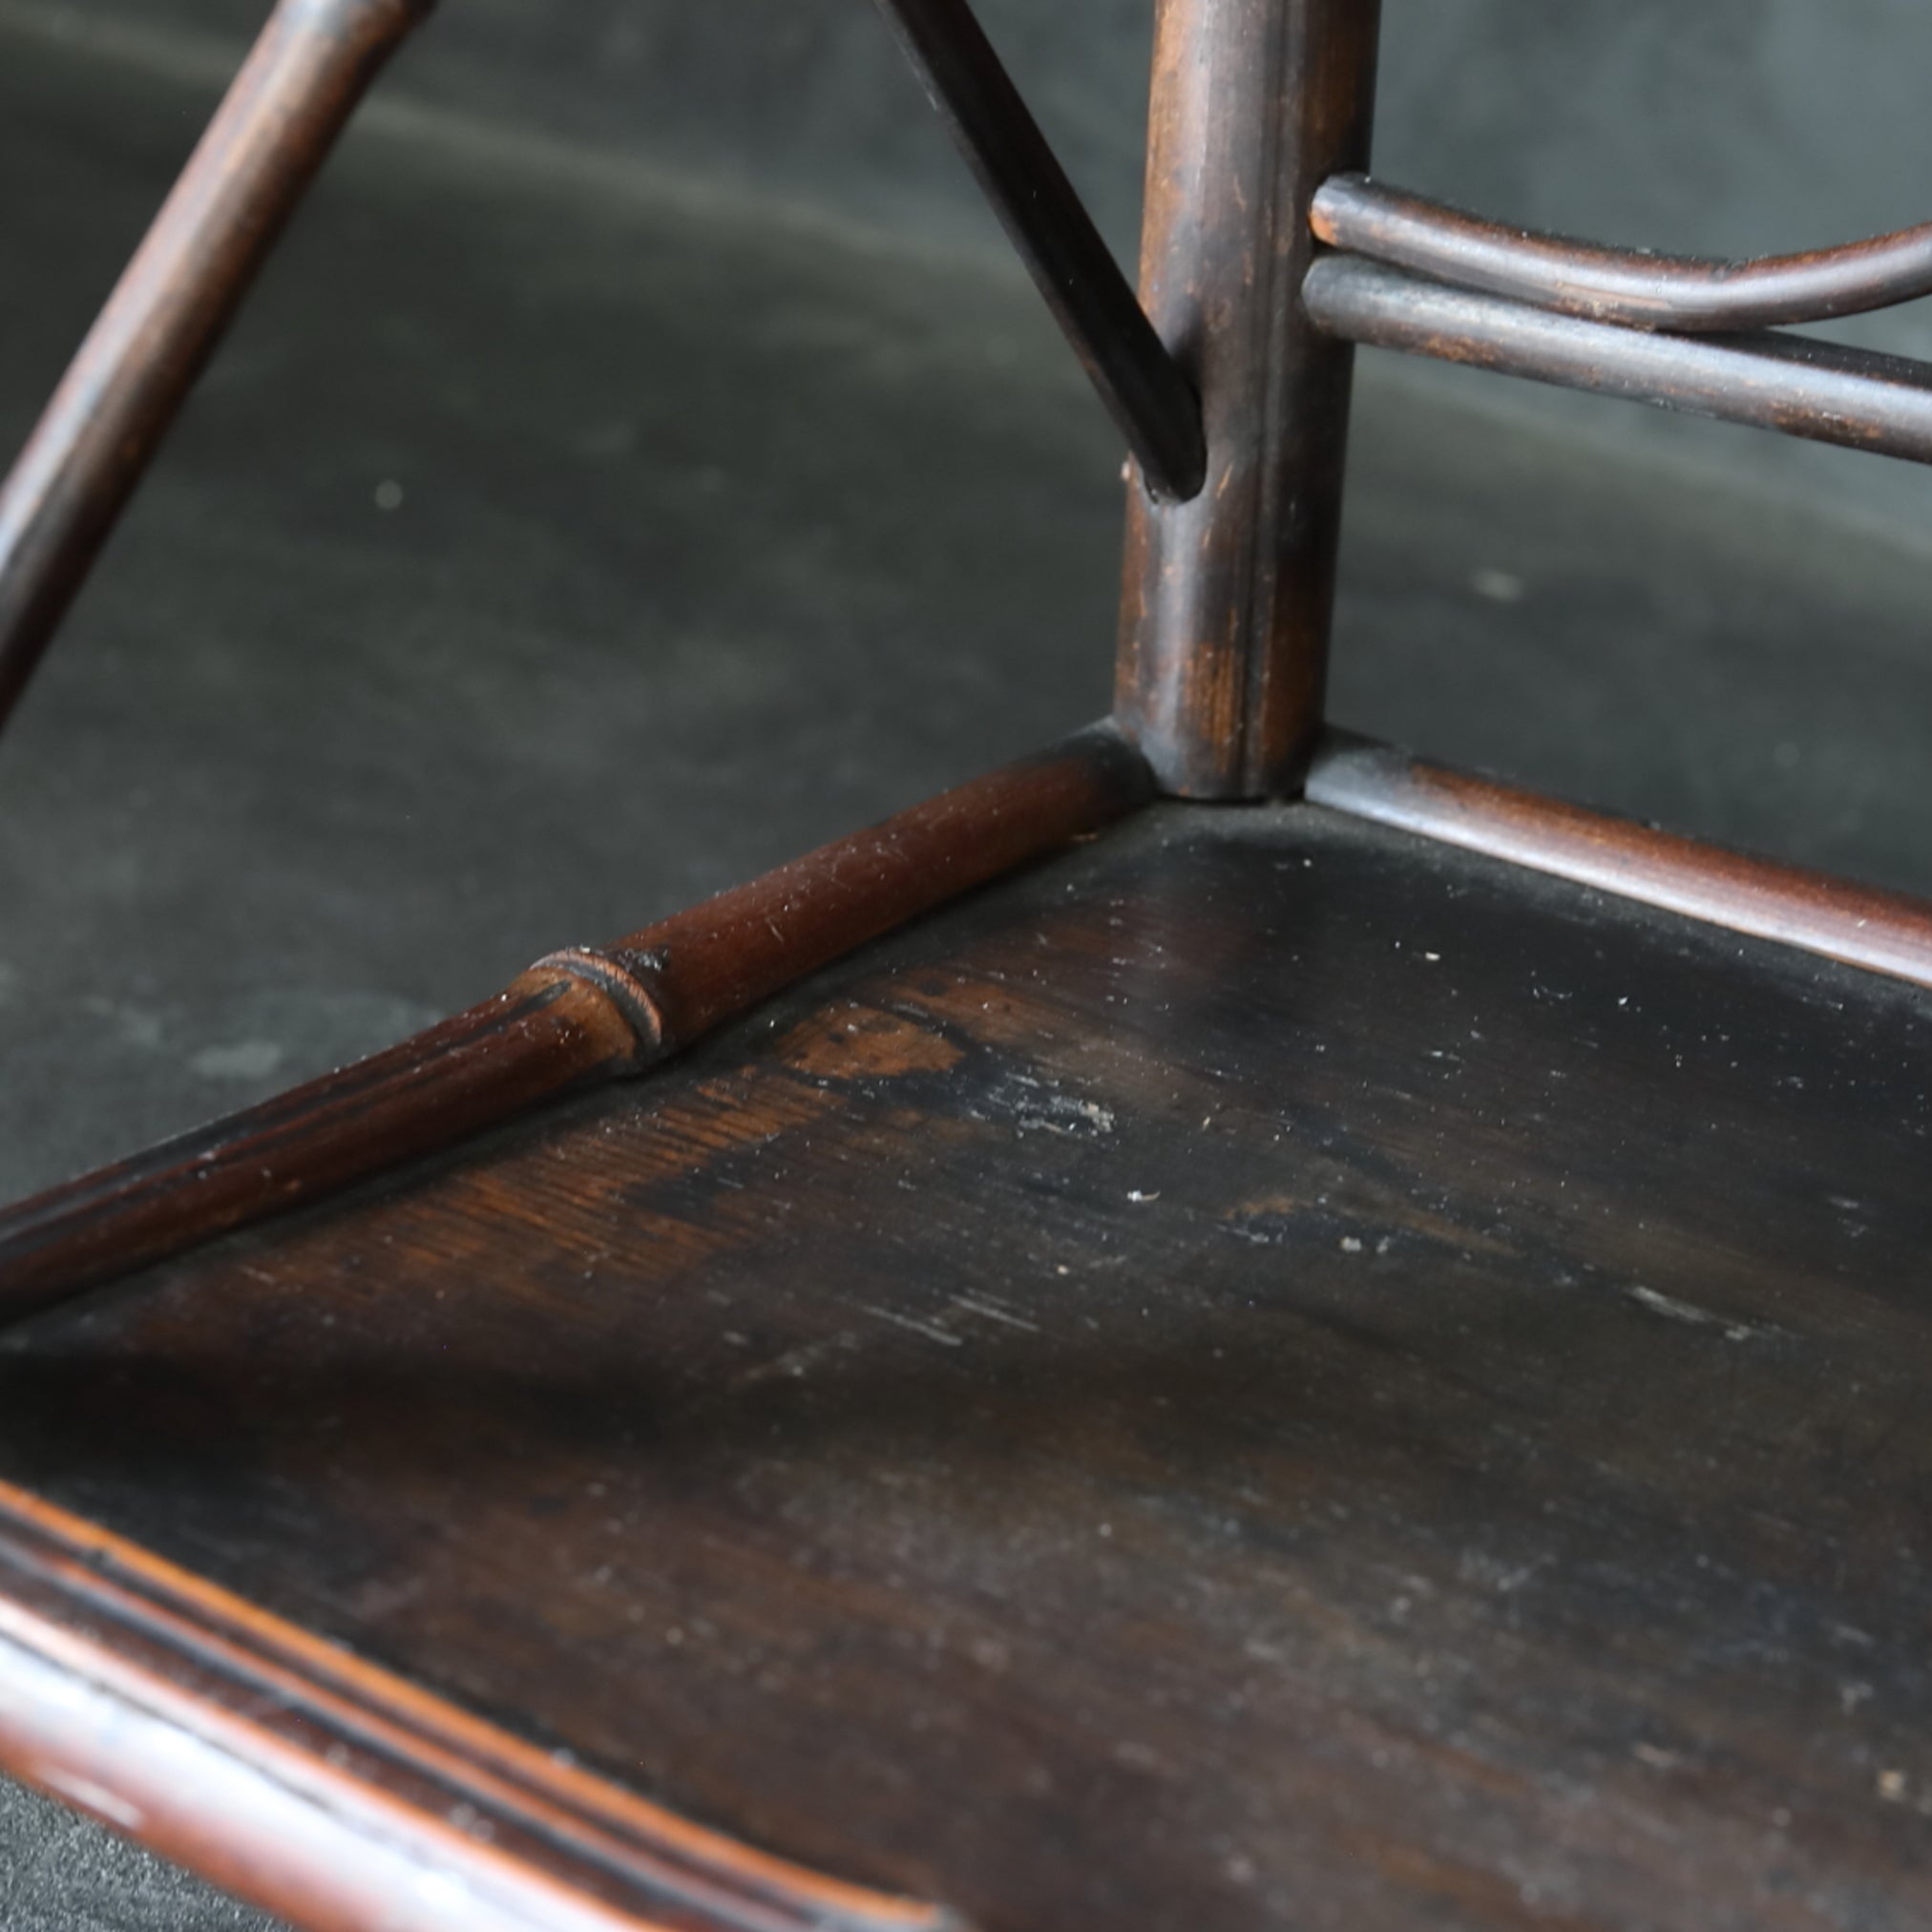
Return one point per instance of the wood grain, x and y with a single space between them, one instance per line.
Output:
1266 1372
578 1016
329 1791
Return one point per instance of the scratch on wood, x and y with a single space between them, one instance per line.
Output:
1689 1313
930 1330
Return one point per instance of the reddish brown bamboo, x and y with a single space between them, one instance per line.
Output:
1139 382
1822 391
312 64
325 1789
1684 293
574 1018
1882 932
1225 614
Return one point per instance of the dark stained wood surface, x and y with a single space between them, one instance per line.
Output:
1266 1371
329 1791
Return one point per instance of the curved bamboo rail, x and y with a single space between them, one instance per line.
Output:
1683 294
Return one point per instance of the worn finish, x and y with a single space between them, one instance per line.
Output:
334 1793
1825 392
1266 1372
1889 933
1684 293
1138 1542
550 1032
1225 610
1138 381
578 1015
274 130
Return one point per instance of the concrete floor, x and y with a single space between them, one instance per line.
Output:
555 543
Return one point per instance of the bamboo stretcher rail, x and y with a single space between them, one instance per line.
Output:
1863 926
1687 294
575 1020
1824 392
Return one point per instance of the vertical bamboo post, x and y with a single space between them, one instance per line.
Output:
1228 598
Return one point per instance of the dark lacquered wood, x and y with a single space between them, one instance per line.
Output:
1267 1372
178 1712
1639 290
1883 932
312 64
1142 388
1225 613
1822 391
575 1017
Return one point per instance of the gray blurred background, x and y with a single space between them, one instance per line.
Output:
642 462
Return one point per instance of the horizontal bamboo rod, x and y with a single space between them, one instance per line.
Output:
1687 294
1819 391
1888 932
576 1018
